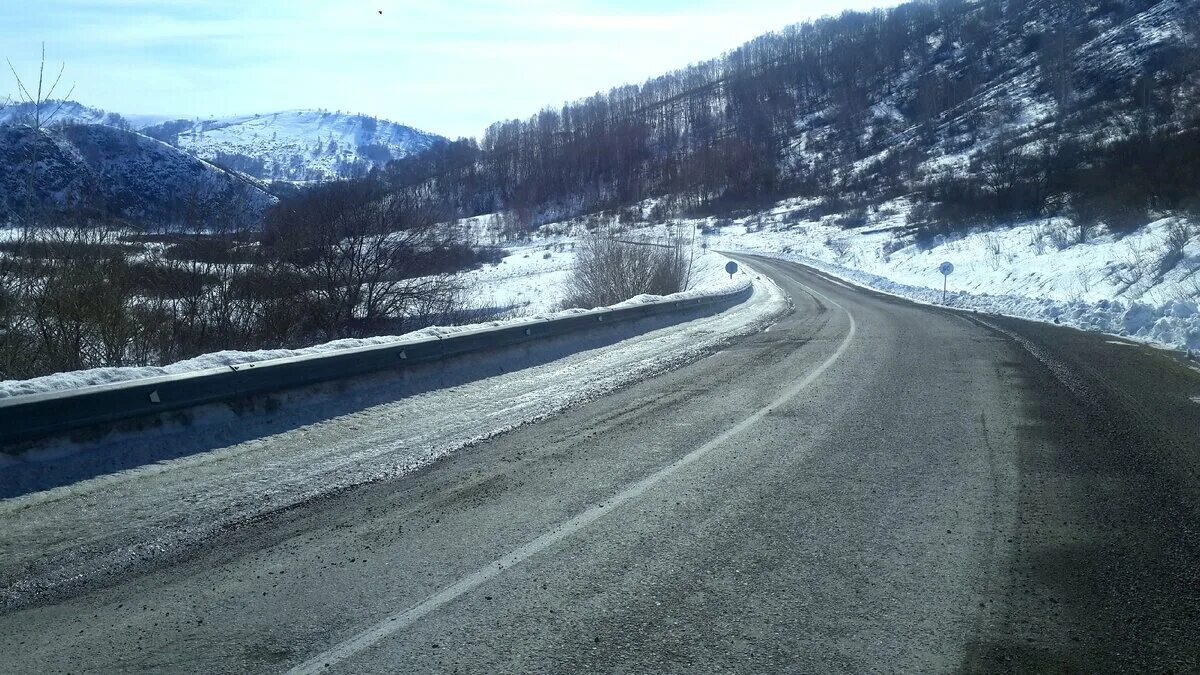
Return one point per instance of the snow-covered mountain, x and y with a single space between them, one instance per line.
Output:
111 172
296 145
152 171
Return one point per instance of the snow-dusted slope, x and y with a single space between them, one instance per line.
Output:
1129 285
100 168
297 145
60 112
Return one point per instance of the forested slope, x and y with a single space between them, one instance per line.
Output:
979 110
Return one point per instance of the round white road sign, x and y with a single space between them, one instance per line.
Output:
946 268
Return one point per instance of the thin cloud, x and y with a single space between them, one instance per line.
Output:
448 66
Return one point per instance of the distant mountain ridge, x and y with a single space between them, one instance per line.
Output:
293 145
154 171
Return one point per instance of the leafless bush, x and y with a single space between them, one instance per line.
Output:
1037 239
367 264
1082 284
840 247
994 247
608 271
69 309
1191 285
84 294
1179 235
1134 268
1060 236
892 246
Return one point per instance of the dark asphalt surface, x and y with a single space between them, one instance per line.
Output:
870 485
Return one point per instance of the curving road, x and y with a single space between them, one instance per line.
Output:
869 485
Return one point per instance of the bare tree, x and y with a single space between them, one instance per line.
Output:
368 261
39 97
42 96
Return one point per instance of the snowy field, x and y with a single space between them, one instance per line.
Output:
529 281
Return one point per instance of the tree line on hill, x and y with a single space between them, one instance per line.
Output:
852 107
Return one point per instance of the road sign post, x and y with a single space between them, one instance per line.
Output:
946 269
732 268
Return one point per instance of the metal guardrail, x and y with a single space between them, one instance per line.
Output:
34 416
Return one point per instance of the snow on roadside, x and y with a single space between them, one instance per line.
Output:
190 482
1032 271
528 281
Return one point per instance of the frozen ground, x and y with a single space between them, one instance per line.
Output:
192 481
1111 284
528 281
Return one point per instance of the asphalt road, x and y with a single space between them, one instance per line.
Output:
870 485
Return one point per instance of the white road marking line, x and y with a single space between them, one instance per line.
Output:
395 622
837 282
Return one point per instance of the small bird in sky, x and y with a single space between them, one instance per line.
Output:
381 11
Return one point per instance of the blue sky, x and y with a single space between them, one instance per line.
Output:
447 66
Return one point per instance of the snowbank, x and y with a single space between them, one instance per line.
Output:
1173 324
1109 284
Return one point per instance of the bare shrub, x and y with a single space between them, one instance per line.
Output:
1082 285
1037 239
608 271
1179 235
1191 286
74 304
84 292
892 246
1134 268
840 247
1060 236
367 264
994 247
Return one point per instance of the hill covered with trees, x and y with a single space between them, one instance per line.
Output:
980 112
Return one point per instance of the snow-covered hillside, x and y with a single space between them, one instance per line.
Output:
296 145
1143 285
61 112
104 169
